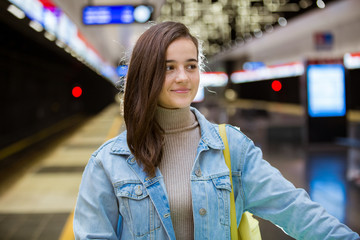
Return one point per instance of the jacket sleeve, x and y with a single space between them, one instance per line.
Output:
96 212
269 195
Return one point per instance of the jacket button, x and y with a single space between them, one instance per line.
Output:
198 173
138 191
202 211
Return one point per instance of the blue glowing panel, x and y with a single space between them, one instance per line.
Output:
326 90
122 70
328 182
253 65
123 14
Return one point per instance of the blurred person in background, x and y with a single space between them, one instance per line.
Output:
165 176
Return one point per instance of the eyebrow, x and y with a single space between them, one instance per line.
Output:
188 60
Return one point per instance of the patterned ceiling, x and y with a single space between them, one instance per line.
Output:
224 23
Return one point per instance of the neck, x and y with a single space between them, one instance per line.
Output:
175 119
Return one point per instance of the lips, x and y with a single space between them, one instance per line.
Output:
181 90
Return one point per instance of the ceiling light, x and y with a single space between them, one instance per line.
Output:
282 21
142 13
16 11
36 26
49 36
60 44
320 4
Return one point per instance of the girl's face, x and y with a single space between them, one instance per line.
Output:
182 75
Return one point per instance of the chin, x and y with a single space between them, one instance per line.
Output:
176 103
184 105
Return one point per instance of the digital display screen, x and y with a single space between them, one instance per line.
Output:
122 14
326 90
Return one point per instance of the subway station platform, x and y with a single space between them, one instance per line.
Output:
38 202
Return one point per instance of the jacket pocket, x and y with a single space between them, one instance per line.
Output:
223 189
135 207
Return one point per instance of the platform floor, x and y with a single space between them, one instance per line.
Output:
37 203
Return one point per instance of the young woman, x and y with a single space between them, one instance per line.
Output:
166 178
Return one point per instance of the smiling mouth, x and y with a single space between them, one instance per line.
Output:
181 90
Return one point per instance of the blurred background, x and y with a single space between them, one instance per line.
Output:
287 72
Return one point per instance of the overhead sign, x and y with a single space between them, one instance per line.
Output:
268 72
253 65
122 14
323 40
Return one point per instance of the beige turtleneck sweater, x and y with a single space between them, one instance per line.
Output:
182 136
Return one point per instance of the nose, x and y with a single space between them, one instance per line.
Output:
181 75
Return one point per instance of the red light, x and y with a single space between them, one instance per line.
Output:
48 3
76 91
276 85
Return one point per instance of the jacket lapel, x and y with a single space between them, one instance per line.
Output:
157 195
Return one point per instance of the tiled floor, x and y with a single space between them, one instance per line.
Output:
32 226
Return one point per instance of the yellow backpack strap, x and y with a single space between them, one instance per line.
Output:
226 152
249 227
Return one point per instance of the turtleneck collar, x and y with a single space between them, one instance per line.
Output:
175 120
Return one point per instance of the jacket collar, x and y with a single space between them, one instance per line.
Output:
209 135
209 131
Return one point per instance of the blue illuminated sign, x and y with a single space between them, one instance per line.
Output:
122 70
123 14
253 65
326 90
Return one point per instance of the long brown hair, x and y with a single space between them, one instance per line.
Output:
144 81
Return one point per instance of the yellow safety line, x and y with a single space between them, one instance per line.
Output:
353 116
286 108
292 109
68 232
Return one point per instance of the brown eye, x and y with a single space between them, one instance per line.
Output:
192 66
169 68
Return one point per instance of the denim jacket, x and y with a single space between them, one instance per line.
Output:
117 200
